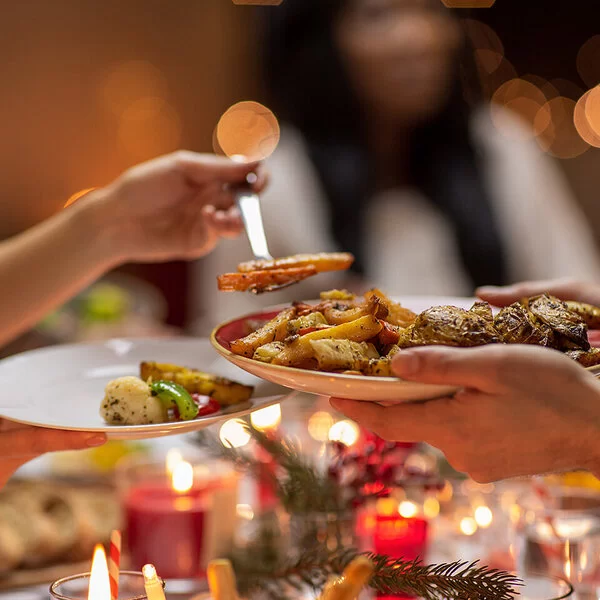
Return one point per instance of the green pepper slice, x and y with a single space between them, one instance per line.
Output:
175 395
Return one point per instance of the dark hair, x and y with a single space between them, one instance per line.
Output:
308 88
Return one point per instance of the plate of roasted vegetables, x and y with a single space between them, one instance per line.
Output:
342 345
130 389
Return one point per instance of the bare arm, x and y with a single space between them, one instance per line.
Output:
174 207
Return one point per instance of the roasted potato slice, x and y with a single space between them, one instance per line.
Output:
224 391
338 312
268 352
273 331
313 319
586 358
337 295
299 350
588 312
264 280
323 261
337 355
397 314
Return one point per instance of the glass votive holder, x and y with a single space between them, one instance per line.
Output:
543 587
178 513
561 537
76 587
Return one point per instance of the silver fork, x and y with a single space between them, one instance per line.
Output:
248 203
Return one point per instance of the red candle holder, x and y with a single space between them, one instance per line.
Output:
397 529
177 518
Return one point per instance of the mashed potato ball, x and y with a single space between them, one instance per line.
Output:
128 401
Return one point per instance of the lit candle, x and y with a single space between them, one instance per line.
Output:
152 584
166 523
400 531
99 588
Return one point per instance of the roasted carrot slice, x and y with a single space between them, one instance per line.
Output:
323 261
264 280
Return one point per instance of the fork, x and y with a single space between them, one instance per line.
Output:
248 203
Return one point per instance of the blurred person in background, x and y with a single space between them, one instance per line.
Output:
382 156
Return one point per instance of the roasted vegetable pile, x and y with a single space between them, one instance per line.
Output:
359 335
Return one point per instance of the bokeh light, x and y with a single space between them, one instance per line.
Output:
547 89
149 127
130 81
524 99
586 117
468 526
592 109
407 509
173 458
233 434
319 425
483 516
567 88
346 432
491 81
248 129
555 130
266 418
588 61
431 507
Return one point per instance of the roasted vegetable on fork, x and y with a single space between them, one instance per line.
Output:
260 276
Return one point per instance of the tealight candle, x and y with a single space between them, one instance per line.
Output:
96 584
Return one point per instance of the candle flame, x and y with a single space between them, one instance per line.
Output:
149 573
99 582
182 478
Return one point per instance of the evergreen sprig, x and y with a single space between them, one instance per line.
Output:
299 486
259 570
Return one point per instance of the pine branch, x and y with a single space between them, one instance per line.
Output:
300 487
456 581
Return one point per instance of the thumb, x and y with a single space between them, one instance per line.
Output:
462 367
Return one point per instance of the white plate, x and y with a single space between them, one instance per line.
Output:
353 387
61 387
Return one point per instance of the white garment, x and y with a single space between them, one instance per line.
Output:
411 246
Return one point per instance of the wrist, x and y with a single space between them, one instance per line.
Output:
99 222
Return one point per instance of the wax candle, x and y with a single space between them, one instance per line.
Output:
399 531
166 523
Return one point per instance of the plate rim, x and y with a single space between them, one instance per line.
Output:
152 429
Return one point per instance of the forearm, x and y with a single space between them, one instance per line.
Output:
47 265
